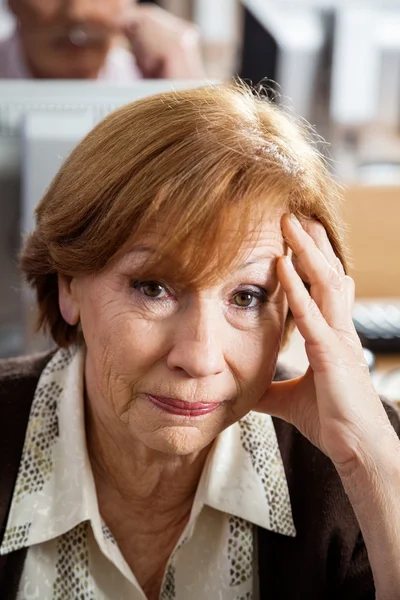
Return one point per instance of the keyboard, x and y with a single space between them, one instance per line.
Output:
378 325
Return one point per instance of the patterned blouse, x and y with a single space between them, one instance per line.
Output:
71 552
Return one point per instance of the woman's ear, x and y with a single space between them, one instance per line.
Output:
68 300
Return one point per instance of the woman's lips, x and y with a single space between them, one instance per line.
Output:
179 407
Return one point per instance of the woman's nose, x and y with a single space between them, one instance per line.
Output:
198 347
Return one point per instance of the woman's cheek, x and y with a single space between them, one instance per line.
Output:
260 357
250 357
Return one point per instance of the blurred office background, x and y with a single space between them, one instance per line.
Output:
335 63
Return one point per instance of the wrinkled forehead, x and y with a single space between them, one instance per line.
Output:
260 225
199 260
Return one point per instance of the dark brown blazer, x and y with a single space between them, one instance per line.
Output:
326 560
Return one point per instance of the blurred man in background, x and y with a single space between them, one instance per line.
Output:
112 40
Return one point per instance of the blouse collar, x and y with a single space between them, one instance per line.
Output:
55 491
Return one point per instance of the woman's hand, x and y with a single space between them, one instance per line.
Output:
334 404
165 47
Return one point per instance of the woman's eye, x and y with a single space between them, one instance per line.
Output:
249 299
243 299
151 289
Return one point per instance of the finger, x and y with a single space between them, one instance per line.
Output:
135 24
326 285
309 256
307 315
318 234
127 20
350 292
130 15
313 326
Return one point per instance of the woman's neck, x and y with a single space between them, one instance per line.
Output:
141 480
143 495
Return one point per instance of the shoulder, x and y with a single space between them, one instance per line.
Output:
24 367
18 381
19 378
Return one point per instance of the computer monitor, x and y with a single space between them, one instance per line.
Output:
284 43
366 66
365 94
40 123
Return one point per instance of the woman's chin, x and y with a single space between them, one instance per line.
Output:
178 440
176 434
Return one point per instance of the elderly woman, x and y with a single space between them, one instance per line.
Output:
76 39
161 459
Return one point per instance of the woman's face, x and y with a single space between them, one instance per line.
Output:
67 39
176 367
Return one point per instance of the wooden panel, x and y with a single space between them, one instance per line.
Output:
372 215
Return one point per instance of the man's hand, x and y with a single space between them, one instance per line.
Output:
164 46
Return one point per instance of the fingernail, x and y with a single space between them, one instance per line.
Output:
295 220
289 262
